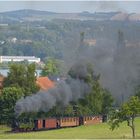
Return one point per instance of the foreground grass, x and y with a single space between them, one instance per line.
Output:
82 132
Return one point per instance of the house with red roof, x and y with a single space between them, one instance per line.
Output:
44 83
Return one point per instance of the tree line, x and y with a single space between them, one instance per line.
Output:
59 36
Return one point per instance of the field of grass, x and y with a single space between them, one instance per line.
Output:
82 132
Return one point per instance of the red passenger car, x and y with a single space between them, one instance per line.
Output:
69 121
50 123
87 120
38 124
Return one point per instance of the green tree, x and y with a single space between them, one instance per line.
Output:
51 68
8 99
30 85
22 76
94 102
107 102
95 97
16 76
128 112
69 110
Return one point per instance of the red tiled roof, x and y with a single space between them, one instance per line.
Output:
44 83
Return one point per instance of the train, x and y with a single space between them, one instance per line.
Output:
54 123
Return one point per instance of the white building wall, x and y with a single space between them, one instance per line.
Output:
19 58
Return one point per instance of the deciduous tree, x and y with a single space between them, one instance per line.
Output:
8 100
128 112
22 76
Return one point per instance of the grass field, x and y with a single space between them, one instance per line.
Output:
82 132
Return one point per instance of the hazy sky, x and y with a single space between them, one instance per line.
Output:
72 6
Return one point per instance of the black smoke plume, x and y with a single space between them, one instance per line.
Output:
63 92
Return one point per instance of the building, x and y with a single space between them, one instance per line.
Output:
44 83
14 40
90 42
30 59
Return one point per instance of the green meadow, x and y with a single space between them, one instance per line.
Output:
82 132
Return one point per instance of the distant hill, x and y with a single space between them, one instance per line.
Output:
34 15
25 13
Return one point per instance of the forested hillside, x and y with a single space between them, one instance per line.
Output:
56 37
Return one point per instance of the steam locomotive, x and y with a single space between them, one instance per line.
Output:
54 123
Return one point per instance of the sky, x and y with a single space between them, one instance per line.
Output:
72 6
